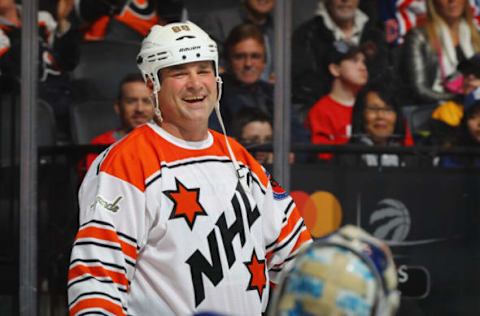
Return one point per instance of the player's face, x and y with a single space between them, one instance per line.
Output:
353 70
135 106
473 125
247 60
342 10
261 6
187 96
450 10
379 118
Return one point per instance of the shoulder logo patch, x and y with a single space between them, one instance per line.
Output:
279 193
112 207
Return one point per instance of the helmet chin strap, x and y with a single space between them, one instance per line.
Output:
157 108
241 172
156 88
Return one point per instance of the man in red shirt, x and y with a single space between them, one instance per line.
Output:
329 120
133 106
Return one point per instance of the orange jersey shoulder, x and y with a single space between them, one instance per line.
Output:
142 152
134 158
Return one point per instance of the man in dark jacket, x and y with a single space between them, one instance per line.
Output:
334 20
242 84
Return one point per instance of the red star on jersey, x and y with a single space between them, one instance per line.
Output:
186 203
258 279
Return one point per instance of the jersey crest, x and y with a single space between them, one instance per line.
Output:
258 277
186 203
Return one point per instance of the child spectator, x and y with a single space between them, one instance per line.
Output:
330 118
335 20
254 127
133 106
448 115
468 136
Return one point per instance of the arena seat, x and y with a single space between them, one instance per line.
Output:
91 118
418 118
102 66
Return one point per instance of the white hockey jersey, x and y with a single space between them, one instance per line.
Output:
166 229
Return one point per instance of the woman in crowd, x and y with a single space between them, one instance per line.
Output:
432 52
377 121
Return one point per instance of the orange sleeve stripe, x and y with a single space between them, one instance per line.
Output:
107 235
290 226
97 303
98 271
303 238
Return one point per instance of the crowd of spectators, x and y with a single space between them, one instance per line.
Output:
344 55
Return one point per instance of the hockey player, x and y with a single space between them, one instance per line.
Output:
175 218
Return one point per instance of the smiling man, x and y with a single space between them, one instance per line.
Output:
188 221
243 86
242 83
134 107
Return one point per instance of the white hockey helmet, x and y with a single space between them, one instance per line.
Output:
347 273
174 44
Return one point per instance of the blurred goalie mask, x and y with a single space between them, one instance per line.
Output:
347 273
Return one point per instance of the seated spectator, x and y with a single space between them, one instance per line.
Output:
448 115
254 127
242 83
220 23
335 20
330 118
126 19
432 52
468 136
58 54
378 121
134 108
